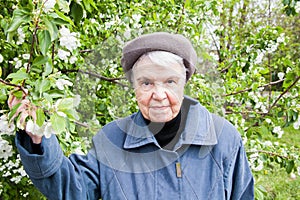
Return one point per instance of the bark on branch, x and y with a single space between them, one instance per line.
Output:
249 89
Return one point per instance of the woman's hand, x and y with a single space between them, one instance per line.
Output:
26 109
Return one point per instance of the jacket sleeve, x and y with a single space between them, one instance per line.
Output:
239 179
57 176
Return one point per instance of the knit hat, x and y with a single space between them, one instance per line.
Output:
160 41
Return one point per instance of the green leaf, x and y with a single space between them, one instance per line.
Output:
263 130
255 86
264 71
63 6
18 94
13 111
44 86
88 4
40 60
47 97
65 104
290 166
19 75
187 3
40 117
58 123
76 12
3 98
52 28
19 16
44 41
63 17
48 69
72 114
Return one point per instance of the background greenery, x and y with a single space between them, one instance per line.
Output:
248 71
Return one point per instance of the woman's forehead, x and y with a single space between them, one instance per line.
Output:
145 65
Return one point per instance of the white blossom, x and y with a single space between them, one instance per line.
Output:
259 57
48 5
5 149
293 176
6 127
280 75
21 36
268 143
63 55
1 58
296 124
278 130
297 7
33 128
109 24
256 163
264 109
280 39
18 64
73 59
78 149
48 130
127 34
272 47
259 166
26 56
258 105
136 17
248 49
68 39
220 8
93 21
268 120
60 83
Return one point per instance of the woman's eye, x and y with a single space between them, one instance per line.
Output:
146 83
171 81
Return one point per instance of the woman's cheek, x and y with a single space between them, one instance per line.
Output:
174 97
143 103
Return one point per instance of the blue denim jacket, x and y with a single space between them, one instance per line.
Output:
126 162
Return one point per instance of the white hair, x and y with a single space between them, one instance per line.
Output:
162 58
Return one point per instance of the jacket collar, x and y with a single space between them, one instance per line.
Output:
199 128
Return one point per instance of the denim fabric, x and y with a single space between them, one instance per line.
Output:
126 162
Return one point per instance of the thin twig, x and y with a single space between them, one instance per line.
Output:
249 89
113 80
284 92
86 51
81 124
14 85
34 38
269 153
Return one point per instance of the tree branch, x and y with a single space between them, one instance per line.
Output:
249 89
269 153
284 92
14 85
113 80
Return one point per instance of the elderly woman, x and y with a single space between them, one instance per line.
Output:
172 148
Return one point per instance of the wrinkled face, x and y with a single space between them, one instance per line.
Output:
159 89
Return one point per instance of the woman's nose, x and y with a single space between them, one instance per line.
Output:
159 92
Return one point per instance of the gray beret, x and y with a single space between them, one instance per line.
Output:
160 41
